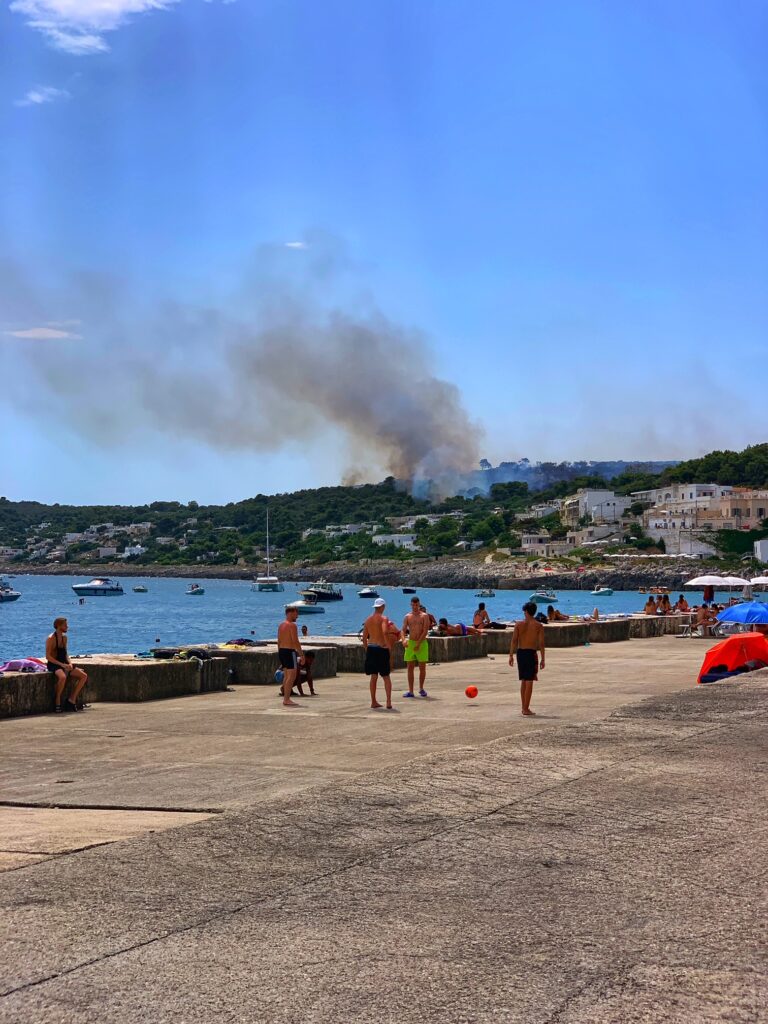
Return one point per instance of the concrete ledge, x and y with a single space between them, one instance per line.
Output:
497 641
566 634
608 631
350 653
643 627
456 648
114 679
257 667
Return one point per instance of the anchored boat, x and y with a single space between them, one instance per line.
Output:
324 591
268 583
307 604
194 590
7 593
602 592
544 596
486 593
100 586
368 592
140 589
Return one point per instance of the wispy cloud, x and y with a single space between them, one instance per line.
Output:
42 94
78 26
42 334
296 245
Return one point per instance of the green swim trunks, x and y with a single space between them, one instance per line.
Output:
414 653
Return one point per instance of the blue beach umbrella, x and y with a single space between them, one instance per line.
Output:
750 612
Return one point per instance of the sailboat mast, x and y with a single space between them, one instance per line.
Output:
269 572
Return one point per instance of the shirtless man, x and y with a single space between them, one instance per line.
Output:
290 653
527 642
377 640
415 628
57 657
457 630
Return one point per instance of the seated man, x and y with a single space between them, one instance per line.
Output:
704 620
553 615
459 629
65 672
482 620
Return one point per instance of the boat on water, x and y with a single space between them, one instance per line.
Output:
409 590
268 583
544 596
368 592
602 592
307 604
486 593
99 586
194 590
140 589
324 591
7 592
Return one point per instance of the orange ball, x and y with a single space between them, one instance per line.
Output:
471 692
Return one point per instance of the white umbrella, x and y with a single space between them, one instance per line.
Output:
761 581
736 581
706 581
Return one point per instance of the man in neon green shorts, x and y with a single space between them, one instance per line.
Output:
415 628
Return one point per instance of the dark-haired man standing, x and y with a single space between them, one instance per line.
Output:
527 642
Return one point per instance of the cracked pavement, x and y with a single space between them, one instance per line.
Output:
606 870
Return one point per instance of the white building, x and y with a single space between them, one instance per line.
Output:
542 510
687 496
600 505
10 552
133 549
400 540
107 552
761 551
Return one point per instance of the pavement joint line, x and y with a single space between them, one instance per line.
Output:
277 898
55 806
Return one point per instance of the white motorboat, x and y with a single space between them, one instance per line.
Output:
368 592
602 592
268 583
140 589
100 586
194 590
307 604
544 596
486 593
7 593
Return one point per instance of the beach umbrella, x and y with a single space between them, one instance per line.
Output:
705 581
759 581
736 581
751 612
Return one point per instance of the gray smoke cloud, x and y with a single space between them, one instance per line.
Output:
273 365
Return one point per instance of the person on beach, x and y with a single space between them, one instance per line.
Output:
290 653
430 616
555 615
664 606
527 644
305 631
482 620
650 605
377 640
57 657
416 625
682 605
459 629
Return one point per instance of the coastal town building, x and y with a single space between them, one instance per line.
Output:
599 505
541 545
107 552
133 549
761 551
687 496
542 510
407 541
409 522
741 509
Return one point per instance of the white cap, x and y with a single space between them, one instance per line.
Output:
379 602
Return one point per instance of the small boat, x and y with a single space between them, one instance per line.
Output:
409 590
544 596
602 592
324 591
307 604
7 593
486 593
100 586
368 592
195 590
268 583
140 589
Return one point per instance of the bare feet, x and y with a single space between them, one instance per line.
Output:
390 708
290 704
375 704
529 714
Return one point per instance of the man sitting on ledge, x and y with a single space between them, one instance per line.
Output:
459 629
57 657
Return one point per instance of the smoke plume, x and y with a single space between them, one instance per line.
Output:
272 366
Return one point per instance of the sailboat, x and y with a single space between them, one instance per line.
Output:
268 582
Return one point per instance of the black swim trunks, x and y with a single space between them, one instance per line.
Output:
288 657
527 664
377 661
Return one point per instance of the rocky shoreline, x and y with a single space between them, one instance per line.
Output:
450 573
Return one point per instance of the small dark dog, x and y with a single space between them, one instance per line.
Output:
304 676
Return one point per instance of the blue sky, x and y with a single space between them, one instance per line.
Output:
567 200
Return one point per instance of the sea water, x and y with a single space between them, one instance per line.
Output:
229 609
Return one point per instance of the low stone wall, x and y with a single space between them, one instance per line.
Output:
456 648
644 626
350 653
497 641
608 631
566 634
119 679
257 667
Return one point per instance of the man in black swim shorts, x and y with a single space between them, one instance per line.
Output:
527 643
377 637
290 653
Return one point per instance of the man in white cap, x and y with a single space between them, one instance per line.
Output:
377 640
